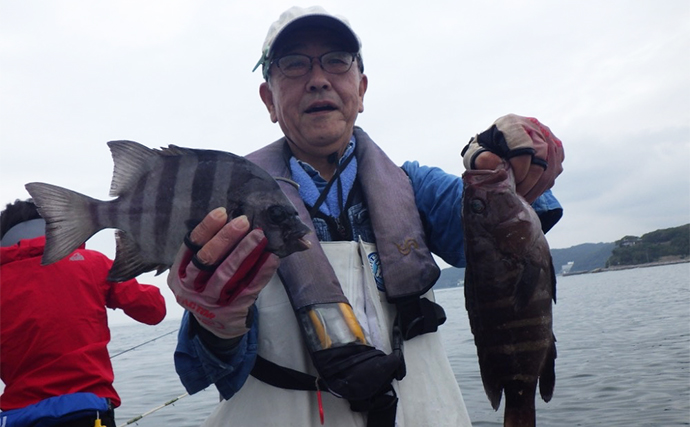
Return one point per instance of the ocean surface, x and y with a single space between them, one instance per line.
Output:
623 357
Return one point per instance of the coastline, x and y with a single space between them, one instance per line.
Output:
629 267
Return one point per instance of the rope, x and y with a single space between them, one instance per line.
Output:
139 345
137 418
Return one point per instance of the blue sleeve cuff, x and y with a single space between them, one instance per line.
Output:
548 209
198 367
546 202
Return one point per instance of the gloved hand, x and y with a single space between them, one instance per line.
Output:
356 371
535 154
221 295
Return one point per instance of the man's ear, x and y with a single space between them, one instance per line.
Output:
363 82
267 97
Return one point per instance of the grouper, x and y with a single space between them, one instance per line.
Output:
510 286
161 195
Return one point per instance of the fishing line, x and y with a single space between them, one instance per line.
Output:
170 402
144 343
137 418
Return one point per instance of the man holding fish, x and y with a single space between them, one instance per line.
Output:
342 331
306 269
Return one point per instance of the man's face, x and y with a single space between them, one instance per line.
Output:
317 111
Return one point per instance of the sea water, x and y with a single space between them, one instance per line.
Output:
623 357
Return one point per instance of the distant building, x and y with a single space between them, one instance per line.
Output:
565 269
628 241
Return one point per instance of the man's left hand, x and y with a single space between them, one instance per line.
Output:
534 152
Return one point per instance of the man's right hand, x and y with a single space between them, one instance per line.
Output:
219 272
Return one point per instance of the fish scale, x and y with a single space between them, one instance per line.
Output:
161 195
509 289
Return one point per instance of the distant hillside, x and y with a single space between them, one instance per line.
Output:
666 244
585 257
659 245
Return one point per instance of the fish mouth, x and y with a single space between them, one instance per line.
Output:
485 177
299 241
291 243
303 244
320 106
290 247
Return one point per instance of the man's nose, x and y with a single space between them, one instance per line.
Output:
318 77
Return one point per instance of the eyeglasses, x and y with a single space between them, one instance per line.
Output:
297 65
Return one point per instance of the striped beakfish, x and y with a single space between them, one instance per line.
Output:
161 195
509 288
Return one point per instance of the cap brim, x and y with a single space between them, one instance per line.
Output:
350 41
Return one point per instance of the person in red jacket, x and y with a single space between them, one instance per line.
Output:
54 326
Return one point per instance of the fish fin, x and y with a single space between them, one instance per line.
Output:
469 291
527 284
235 209
160 269
492 384
130 159
128 262
547 377
68 216
174 150
553 280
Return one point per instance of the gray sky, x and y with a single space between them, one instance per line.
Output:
610 78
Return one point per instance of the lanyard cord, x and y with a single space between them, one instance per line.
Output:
327 189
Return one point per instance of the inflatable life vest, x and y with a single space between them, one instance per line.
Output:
56 410
348 365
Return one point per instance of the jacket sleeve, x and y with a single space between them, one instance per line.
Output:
548 209
143 303
198 367
439 200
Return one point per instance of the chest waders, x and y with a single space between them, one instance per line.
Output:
349 366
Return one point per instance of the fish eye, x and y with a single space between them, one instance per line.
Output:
477 205
276 214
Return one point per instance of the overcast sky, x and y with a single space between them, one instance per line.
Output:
610 78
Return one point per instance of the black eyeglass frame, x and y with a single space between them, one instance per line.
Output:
276 61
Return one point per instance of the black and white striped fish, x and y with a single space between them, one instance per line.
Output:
161 195
509 288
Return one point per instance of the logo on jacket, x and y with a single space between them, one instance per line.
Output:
406 247
375 263
77 257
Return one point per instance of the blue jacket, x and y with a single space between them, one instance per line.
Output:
439 200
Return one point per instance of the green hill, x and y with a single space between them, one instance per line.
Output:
660 245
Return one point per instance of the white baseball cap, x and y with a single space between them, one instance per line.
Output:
298 17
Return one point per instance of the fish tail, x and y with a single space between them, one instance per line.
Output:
69 219
520 410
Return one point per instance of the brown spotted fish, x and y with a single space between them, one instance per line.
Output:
509 289
161 195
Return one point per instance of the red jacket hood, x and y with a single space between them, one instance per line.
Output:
25 248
